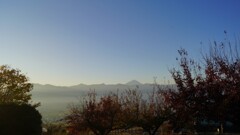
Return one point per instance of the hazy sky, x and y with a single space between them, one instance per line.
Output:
67 42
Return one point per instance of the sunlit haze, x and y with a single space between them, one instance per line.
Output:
64 42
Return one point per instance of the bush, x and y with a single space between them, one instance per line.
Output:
19 120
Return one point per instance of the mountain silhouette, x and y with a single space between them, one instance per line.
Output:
133 82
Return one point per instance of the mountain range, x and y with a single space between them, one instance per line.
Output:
56 99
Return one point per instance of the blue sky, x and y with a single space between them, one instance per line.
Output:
67 42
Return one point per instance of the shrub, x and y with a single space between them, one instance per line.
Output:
19 120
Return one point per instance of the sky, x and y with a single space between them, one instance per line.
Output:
68 42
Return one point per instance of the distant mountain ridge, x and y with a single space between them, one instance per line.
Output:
55 99
132 82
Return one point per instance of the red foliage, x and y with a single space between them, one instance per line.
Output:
98 116
210 91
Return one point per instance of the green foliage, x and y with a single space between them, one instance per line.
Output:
19 120
14 86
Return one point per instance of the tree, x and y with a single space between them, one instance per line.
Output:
14 86
207 91
183 100
18 119
224 66
130 101
149 113
153 112
101 117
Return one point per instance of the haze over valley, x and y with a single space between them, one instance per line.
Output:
55 99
